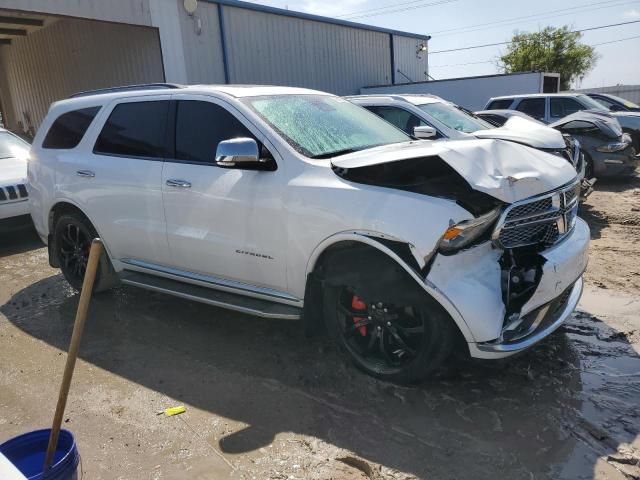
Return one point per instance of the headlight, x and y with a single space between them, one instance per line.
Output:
463 234
612 147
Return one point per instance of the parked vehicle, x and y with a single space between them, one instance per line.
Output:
607 149
292 203
614 103
14 151
499 117
545 107
414 113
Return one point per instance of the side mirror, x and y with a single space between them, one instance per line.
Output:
616 108
424 132
237 152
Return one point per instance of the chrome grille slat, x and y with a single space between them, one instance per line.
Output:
13 193
542 220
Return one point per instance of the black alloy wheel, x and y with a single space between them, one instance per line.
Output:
397 342
74 243
384 337
73 235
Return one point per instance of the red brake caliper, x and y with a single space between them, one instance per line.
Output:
358 305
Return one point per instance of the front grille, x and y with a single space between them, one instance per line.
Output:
11 193
540 221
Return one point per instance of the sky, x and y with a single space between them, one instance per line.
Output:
461 23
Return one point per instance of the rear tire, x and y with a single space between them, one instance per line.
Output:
73 235
426 334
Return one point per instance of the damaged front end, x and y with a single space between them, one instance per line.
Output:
513 272
540 251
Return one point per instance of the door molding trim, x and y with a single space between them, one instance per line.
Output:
211 281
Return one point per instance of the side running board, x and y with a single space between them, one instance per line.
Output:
217 298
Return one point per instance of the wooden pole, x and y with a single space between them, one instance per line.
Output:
78 327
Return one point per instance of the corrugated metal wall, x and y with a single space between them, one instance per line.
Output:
202 45
133 12
5 99
72 55
414 66
280 50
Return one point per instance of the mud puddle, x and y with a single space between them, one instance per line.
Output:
263 402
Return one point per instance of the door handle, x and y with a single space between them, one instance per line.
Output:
178 183
85 173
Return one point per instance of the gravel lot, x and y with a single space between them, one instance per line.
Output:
263 402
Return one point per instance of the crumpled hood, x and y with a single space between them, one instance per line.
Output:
521 130
505 170
12 171
602 119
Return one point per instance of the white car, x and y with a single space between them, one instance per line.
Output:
292 203
14 152
413 113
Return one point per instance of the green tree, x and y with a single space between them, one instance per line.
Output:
550 50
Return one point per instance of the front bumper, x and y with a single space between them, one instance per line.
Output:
541 323
14 208
470 282
615 164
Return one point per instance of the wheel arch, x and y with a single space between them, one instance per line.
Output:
59 208
379 243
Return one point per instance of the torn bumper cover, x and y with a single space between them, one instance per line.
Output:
534 327
471 282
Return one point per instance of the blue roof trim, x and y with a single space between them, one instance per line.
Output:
316 18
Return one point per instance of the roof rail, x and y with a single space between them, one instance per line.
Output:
127 88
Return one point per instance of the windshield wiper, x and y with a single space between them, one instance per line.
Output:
335 153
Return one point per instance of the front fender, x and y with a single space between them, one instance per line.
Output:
375 240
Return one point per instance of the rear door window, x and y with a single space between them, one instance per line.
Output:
563 106
68 129
135 129
502 104
200 126
404 120
532 106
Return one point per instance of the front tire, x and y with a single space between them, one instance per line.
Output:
73 235
588 166
400 343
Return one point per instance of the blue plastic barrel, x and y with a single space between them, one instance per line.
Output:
27 452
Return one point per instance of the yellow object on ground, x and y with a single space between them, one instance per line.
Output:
169 412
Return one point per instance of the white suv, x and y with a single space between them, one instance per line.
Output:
546 107
292 203
14 151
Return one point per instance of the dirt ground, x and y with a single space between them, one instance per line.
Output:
265 403
613 213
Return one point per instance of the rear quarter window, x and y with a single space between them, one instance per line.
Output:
68 129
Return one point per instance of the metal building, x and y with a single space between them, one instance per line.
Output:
50 50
